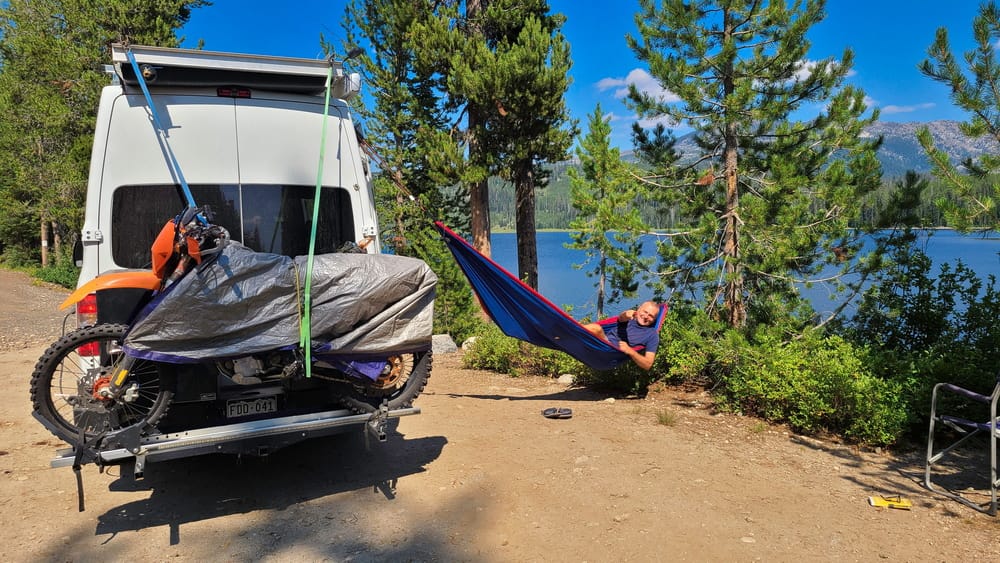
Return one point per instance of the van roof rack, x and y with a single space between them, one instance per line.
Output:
190 68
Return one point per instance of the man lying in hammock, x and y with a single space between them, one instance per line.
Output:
632 329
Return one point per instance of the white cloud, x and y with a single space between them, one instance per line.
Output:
643 81
651 122
890 109
613 117
806 66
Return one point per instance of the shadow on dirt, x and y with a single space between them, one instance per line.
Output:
206 487
573 394
965 471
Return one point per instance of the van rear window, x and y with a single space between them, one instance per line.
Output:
266 218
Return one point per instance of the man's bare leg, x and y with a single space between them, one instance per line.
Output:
597 330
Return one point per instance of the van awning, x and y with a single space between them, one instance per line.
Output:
190 68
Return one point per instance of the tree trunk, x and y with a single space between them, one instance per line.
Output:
527 249
602 280
479 192
479 203
56 240
733 291
735 307
399 241
45 243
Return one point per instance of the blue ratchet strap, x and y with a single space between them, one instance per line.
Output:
163 135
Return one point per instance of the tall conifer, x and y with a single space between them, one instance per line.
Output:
604 195
769 199
505 66
406 110
51 54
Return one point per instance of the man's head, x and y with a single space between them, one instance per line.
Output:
646 314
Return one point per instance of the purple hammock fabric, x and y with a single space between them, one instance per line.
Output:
523 313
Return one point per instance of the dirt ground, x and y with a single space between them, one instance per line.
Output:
480 475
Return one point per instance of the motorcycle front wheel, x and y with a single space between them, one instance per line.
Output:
401 381
68 376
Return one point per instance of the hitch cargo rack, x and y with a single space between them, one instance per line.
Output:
258 437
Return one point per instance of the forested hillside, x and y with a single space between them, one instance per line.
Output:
900 152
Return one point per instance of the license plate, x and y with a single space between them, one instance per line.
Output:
249 407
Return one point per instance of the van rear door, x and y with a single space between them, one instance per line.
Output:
279 145
138 181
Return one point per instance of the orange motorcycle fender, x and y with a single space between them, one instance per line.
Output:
113 280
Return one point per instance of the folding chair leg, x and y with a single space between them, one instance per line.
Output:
969 429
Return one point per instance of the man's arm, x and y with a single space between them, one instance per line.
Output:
643 360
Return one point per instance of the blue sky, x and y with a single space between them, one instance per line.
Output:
889 38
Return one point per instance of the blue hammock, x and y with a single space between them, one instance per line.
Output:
523 313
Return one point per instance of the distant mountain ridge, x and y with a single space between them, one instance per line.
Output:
900 150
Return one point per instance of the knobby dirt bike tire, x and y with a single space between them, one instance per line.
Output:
372 397
63 380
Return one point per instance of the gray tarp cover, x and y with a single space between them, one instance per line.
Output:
363 305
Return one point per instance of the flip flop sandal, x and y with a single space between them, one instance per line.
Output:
559 413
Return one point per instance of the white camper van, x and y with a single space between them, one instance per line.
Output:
243 135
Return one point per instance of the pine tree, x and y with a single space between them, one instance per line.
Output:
404 103
768 200
406 96
604 194
51 52
976 90
506 66
522 74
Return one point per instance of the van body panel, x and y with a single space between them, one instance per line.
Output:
200 131
232 147
299 124
295 159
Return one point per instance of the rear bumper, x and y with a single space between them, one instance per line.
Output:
259 437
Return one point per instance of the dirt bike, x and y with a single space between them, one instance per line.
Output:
90 391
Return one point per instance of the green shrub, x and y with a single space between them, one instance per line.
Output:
19 257
493 350
626 378
922 329
64 273
544 361
690 349
815 383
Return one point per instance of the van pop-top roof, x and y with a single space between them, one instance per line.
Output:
187 68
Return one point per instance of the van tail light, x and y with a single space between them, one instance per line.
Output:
86 311
86 315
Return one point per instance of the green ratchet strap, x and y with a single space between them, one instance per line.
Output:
305 327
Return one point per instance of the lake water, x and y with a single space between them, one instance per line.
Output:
565 285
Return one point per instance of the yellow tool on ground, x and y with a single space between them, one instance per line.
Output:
896 502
